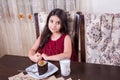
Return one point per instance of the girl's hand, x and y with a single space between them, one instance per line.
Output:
36 57
44 56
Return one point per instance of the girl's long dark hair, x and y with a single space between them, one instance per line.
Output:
46 34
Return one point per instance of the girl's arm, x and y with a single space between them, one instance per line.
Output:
32 52
66 53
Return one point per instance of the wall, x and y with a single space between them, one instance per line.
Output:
17 30
100 6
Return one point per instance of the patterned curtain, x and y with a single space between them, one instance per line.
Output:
48 5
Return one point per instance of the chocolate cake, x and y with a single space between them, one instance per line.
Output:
42 67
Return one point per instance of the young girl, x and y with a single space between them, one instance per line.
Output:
54 43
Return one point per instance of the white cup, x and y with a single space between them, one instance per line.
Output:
65 67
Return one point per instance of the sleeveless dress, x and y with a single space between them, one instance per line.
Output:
57 47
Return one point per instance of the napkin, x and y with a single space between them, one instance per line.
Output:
21 76
54 78
50 78
69 79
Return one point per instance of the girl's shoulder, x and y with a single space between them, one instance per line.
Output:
66 36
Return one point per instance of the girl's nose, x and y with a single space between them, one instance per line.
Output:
54 24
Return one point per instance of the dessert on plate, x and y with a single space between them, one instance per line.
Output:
42 66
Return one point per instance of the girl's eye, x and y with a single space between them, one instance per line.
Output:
58 22
51 21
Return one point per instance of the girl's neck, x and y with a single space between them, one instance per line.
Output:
55 36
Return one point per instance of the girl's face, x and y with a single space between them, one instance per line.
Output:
54 24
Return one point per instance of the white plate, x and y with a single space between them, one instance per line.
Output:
33 71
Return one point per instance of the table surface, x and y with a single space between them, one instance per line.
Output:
9 66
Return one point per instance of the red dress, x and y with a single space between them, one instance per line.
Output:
57 47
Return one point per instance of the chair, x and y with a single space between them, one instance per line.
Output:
74 27
102 40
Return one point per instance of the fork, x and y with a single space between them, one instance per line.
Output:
27 71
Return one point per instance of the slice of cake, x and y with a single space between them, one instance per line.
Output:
42 66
